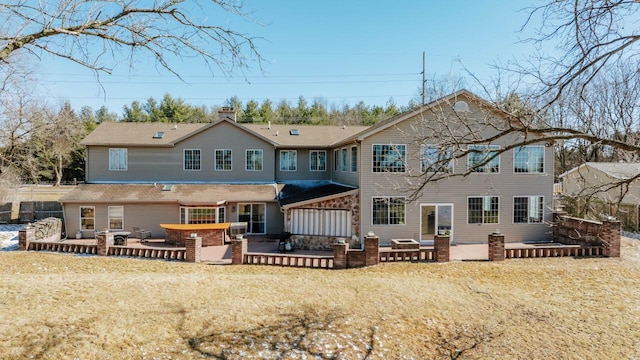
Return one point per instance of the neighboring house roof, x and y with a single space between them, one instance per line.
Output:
302 193
183 194
145 134
616 170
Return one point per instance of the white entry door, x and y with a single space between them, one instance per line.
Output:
435 219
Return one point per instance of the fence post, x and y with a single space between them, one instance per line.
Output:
371 250
25 236
496 247
340 255
105 240
441 246
611 230
193 247
238 250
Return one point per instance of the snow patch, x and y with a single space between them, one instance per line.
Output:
9 237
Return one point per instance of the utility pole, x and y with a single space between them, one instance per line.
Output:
424 79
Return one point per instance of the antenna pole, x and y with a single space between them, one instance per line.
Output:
424 80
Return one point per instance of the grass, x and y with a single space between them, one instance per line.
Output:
55 306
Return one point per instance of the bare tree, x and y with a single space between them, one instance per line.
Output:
99 34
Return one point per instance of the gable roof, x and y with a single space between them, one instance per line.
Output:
616 170
143 134
385 124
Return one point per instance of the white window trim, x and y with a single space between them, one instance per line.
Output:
388 172
483 223
336 160
295 152
109 217
246 163
513 209
389 197
215 159
80 218
344 158
126 160
317 157
186 209
351 166
530 173
184 162
490 148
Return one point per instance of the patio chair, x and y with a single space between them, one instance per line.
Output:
141 234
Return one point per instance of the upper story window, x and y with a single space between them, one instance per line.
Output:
528 209
388 210
288 160
118 159
202 215
318 160
354 159
528 159
343 159
253 160
222 159
482 209
483 158
435 158
389 158
336 160
191 159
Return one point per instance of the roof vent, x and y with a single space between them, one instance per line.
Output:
461 106
158 135
294 132
167 187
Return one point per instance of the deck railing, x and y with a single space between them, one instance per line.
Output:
554 251
299 261
149 253
63 247
412 255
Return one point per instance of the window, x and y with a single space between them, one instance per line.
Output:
354 158
482 210
343 160
318 160
202 215
222 159
87 218
528 159
528 209
253 160
118 159
116 218
388 210
336 160
389 158
191 159
288 160
434 158
483 158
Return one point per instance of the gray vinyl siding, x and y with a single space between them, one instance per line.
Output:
505 184
166 164
346 177
302 172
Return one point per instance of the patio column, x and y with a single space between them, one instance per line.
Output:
105 240
611 230
238 250
496 247
193 245
371 250
441 245
340 255
25 236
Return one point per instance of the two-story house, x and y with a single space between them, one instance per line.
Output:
320 182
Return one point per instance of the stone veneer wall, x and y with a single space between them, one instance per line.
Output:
314 242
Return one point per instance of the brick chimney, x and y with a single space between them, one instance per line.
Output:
227 112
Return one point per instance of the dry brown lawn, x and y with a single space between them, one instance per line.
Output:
56 306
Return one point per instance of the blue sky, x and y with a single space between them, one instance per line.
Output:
340 51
